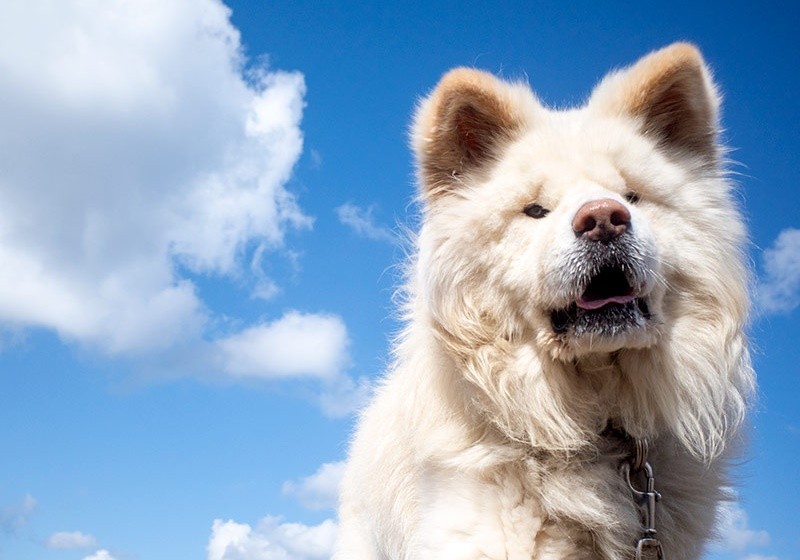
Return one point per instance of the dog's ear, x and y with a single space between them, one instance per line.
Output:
462 125
671 94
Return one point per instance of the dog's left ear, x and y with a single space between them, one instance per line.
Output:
671 94
461 127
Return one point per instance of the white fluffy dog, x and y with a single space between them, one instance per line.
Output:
573 359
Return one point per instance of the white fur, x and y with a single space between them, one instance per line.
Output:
483 440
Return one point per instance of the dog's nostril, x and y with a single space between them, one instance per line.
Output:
588 224
620 217
601 220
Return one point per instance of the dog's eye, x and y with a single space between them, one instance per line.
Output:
632 197
535 210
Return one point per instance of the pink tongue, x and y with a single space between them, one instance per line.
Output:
598 303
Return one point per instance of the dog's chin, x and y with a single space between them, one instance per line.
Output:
604 328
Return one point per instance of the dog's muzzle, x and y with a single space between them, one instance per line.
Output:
607 273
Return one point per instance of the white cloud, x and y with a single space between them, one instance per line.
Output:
271 540
135 146
316 159
101 554
733 531
295 345
274 539
361 221
779 290
138 151
70 540
319 490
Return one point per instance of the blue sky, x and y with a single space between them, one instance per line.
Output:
200 214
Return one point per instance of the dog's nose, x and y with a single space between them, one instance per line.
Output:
601 220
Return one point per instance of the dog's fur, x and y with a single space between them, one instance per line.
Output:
489 438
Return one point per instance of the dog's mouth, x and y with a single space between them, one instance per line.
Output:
607 287
608 306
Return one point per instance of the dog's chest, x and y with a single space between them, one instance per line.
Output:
505 516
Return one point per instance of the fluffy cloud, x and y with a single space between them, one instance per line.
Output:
779 290
274 539
295 345
136 150
319 490
140 153
69 540
271 540
361 221
298 345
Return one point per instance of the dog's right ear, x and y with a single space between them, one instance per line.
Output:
462 125
671 95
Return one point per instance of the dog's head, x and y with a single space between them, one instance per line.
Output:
580 226
606 229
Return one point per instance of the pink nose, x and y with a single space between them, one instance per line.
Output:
601 220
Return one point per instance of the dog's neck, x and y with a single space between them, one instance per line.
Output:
601 363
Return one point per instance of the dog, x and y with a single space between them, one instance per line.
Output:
573 358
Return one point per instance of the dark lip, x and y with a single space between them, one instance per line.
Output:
610 319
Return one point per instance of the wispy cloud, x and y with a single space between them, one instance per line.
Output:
319 490
14 517
362 222
344 395
734 536
70 540
779 288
